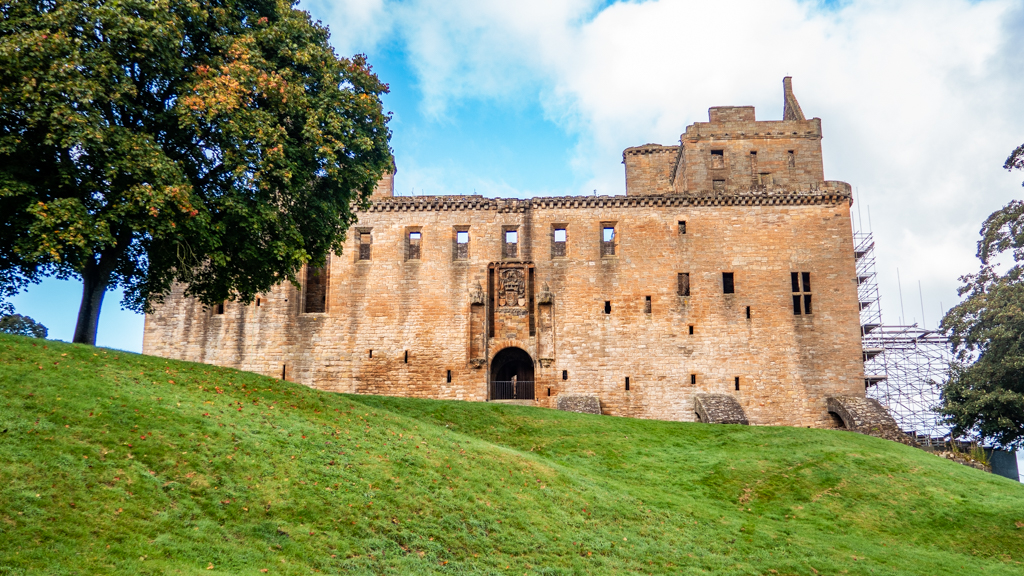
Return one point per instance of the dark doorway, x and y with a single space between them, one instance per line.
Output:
512 375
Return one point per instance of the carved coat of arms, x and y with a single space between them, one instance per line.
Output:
511 287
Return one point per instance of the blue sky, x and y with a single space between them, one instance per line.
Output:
919 102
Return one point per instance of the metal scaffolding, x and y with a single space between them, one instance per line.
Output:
904 366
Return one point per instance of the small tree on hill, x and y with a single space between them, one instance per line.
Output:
220 144
22 326
985 392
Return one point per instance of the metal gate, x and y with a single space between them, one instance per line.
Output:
512 390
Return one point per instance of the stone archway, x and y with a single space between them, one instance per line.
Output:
511 375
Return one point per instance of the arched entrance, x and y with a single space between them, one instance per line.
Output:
512 375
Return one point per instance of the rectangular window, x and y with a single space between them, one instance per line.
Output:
627 382
691 329
315 289
558 243
748 312
511 245
801 286
449 376
258 303
682 227
717 159
365 241
693 379
413 247
462 244
219 309
718 185
607 306
792 159
647 304
608 240
683 284
728 285
406 356
737 383
565 374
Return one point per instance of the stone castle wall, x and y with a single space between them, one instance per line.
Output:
432 295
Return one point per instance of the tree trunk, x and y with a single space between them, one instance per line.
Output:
94 285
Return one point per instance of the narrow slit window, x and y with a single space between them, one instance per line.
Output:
565 374
558 243
258 303
683 284
284 371
462 245
220 308
792 159
511 245
691 329
549 391
748 312
728 283
415 239
801 285
607 307
406 356
693 379
449 376
371 353
647 304
627 382
682 227
737 383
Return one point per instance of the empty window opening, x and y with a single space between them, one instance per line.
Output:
565 374
607 307
558 243
315 300
549 391
462 245
691 329
258 303
284 371
801 285
683 284
406 356
608 241
371 353
748 312
728 285
220 308
627 382
693 379
718 158
682 227
647 304
792 159
737 382
414 246
364 245
449 376
511 246
718 185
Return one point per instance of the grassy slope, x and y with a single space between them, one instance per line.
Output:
119 463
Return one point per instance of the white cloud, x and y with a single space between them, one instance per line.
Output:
919 99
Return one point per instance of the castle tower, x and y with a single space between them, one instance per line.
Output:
733 152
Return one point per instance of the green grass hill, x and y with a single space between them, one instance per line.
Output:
112 462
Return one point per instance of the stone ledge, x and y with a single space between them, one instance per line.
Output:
582 403
719 409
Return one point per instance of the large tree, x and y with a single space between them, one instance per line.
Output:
985 392
221 144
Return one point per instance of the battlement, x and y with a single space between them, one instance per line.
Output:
732 152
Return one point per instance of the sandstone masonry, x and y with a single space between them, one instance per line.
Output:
726 269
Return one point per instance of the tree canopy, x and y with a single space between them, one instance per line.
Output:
985 392
220 144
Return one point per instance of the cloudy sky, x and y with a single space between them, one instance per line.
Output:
920 101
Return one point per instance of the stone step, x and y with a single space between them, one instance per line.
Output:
515 402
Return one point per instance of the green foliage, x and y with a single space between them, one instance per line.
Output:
22 326
220 144
116 463
1015 161
984 395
